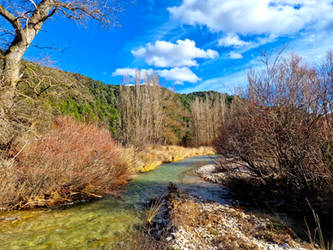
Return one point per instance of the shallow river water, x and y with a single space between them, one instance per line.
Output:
102 223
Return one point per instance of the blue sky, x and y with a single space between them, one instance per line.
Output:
192 45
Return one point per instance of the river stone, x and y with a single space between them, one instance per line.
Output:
10 218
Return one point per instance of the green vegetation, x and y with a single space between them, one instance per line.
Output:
187 99
100 106
84 99
50 160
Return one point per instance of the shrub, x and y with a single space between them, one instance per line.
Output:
280 148
284 132
73 161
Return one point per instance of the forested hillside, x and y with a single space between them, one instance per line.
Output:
67 137
187 119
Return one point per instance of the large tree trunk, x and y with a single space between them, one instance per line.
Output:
12 65
13 56
10 76
11 71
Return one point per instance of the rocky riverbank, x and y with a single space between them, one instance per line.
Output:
209 173
188 222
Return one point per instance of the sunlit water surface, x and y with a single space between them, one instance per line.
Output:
102 224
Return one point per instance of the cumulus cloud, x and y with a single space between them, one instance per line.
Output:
255 16
179 54
235 55
132 72
179 75
232 40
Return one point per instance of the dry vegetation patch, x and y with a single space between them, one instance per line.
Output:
73 161
151 157
283 137
199 224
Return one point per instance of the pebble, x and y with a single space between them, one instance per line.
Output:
227 224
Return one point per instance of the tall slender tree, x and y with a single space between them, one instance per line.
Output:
207 114
141 109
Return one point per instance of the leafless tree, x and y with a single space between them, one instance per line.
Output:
207 115
21 20
141 109
284 130
326 83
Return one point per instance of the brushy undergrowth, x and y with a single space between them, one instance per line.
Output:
281 138
284 132
72 161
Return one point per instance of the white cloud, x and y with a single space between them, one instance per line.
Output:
313 47
179 75
232 40
235 55
132 72
167 54
255 16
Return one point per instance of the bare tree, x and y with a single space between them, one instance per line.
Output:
283 132
21 20
196 119
326 83
141 109
207 115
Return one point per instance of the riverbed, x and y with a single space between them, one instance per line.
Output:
103 223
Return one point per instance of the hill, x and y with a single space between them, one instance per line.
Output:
65 93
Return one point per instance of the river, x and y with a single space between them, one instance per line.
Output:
103 223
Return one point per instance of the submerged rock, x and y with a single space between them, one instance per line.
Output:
9 218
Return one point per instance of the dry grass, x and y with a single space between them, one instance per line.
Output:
317 236
151 157
188 214
154 210
140 241
73 161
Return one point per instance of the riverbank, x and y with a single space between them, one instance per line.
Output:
50 173
306 213
105 223
153 156
188 222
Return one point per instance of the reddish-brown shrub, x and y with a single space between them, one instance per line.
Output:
72 161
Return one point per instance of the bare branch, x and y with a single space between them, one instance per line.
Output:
14 21
28 17
33 3
50 48
41 14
